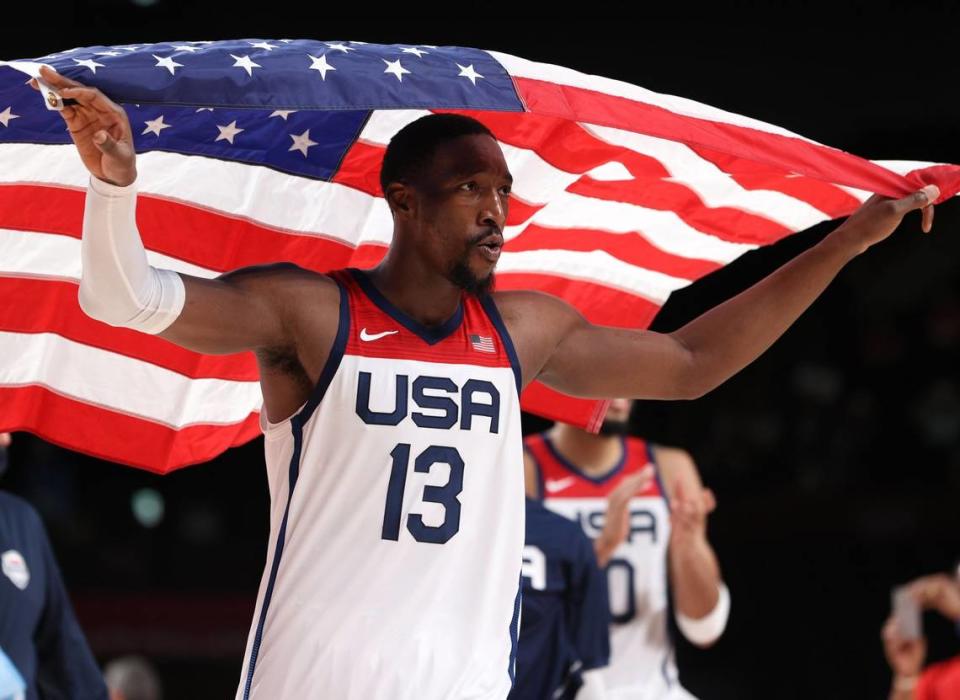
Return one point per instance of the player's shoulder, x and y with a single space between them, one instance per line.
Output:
559 528
525 309
16 508
675 463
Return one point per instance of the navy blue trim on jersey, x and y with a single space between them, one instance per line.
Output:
296 425
658 476
493 313
431 335
539 471
599 480
515 631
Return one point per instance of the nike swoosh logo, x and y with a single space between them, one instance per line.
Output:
374 336
554 485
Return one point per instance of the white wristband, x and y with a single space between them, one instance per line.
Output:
706 630
117 284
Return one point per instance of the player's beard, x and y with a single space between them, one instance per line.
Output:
614 427
462 276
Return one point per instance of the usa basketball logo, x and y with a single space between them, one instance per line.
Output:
15 568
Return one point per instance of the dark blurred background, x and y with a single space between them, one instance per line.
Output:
835 457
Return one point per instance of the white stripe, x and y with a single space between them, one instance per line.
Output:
122 383
715 187
595 266
286 202
664 229
35 254
523 68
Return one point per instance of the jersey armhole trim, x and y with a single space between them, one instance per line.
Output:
493 313
333 359
537 469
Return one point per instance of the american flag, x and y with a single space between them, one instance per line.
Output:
255 151
482 343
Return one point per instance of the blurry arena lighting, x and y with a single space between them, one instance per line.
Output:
147 506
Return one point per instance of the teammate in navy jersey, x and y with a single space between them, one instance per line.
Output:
666 539
564 630
436 519
41 645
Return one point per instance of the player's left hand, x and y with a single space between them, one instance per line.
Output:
905 656
879 216
689 509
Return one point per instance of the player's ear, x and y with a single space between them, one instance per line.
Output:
401 198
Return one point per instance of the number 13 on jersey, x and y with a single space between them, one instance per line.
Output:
445 495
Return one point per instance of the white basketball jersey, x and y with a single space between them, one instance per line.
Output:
397 510
642 661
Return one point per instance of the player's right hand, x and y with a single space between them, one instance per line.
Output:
99 127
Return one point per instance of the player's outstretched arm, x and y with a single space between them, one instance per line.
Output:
581 359
245 310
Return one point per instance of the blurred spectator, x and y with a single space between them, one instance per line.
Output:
940 681
42 648
132 678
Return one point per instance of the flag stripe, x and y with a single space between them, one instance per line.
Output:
89 374
115 436
51 306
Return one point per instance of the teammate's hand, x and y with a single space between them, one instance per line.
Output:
938 592
878 217
905 656
98 126
688 513
616 525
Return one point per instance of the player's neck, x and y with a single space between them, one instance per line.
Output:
593 454
408 284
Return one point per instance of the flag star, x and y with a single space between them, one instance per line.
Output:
205 109
469 72
341 47
265 45
6 115
129 48
320 63
155 126
283 113
108 53
245 63
302 142
416 52
92 65
191 49
167 63
395 68
228 132
287 41
202 42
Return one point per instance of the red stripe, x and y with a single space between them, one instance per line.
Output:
114 436
202 237
751 175
50 306
782 152
544 401
632 248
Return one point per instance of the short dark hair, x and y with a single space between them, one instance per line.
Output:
412 148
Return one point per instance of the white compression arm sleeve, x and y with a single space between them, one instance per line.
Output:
706 630
117 285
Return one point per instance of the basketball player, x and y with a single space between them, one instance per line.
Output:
574 472
565 614
391 407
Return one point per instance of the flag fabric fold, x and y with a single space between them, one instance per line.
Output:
256 151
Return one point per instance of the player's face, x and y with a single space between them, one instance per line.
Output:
617 419
463 210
